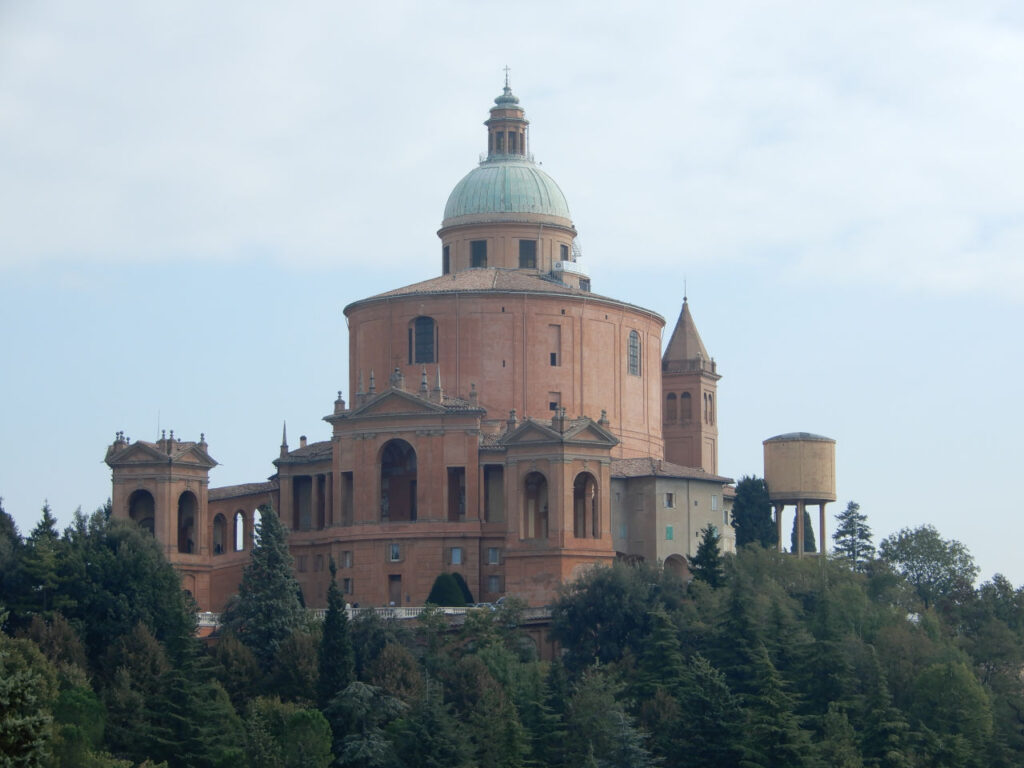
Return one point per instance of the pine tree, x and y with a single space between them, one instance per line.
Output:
774 738
40 566
710 717
809 543
706 564
852 537
336 658
752 514
268 609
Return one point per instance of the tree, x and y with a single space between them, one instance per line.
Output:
706 564
40 566
27 690
852 537
600 731
752 514
809 545
936 567
282 735
267 610
336 657
446 591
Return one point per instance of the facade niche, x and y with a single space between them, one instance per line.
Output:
685 407
142 509
535 506
347 505
456 494
302 503
494 493
586 515
188 507
397 482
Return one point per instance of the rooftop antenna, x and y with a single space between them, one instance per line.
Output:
506 75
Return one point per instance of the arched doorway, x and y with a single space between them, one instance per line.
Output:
188 508
397 482
586 517
142 509
677 564
535 506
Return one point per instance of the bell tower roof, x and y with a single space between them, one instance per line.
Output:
685 343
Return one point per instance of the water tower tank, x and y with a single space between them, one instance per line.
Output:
799 466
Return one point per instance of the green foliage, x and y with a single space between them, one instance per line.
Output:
335 657
600 730
267 611
28 687
937 568
752 514
852 538
358 716
809 542
283 735
446 591
467 595
706 564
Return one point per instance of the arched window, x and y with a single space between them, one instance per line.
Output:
141 509
670 408
535 506
685 406
585 512
423 340
397 482
677 564
219 534
239 531
188 508
634 353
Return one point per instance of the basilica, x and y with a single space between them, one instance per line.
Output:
504 422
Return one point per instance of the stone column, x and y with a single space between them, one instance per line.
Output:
778 525
821 528
800 512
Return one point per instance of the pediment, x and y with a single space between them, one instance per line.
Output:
579 431
194 455
396 401
137 453
532 432
589 432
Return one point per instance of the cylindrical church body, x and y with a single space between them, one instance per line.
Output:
520 343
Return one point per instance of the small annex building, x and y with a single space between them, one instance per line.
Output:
505 422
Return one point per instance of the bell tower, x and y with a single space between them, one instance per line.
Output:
689 385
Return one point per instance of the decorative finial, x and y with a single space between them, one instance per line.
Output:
506 75
684 290
202 437
373 383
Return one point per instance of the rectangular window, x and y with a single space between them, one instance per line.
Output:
623 532
563 252
670 500
478 253
669 533
554 400
346 586
318 563
456 557
394 552
446 265
584 283
346 559
527 254
494 584
456 494
300 563
422 348
493 556
494 494
714 503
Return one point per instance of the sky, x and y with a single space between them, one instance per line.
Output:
191 192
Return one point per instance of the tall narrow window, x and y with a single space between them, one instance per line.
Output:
670 408
446 265
422 340
685 406
634 353
563 252
555 344
478 253
527 254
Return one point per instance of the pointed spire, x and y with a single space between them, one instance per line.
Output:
284 438
424 389
437 394
685 343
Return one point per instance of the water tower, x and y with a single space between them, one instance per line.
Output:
800 470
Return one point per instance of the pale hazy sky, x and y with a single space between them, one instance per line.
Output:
191 192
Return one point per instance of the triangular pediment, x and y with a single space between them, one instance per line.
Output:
532 432
394 401
148 453
137 453
590 432
193 454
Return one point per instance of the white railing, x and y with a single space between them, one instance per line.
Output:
211 619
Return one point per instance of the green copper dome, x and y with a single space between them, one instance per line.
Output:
503 186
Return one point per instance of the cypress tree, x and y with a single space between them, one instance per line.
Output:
706 564
752 514
337 660
267 610
809 544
